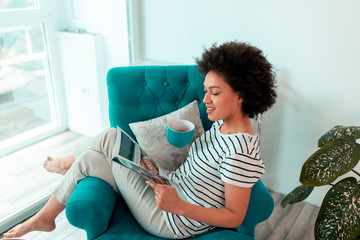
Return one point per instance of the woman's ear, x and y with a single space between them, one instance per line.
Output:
240 98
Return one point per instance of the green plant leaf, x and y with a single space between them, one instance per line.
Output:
339 215
338 132
331 161
297 195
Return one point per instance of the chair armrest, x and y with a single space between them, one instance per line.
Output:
261 206
90 206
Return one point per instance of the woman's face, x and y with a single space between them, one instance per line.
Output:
220 99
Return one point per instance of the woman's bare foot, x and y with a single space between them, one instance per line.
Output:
32 224
59 165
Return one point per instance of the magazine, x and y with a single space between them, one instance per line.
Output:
129 154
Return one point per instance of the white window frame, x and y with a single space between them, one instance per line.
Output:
22 17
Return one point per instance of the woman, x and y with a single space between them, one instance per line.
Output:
212 188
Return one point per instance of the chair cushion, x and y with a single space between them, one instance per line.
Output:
123 226
151 136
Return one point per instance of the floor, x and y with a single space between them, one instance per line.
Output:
295 222
22 176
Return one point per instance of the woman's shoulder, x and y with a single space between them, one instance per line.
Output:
242 143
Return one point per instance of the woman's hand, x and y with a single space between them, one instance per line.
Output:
167 198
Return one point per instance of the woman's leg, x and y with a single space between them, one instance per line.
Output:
99 143
93 159
140 198
91 162
44 220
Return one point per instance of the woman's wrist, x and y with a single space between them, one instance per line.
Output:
183 208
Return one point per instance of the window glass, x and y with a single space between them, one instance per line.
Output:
6 5
25 41
37 40
25 101
13 44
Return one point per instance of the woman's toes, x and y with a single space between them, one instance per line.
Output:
33 224
53 165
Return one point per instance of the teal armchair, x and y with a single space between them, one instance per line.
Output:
139 93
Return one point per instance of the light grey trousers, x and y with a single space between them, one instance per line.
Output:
94 158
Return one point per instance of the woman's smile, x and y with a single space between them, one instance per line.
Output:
209 109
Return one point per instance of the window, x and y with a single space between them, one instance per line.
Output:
27 100
28 109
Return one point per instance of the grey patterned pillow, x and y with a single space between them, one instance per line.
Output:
151 136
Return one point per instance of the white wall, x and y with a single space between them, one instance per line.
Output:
106 18
314 45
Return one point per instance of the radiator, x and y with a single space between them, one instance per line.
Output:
84 77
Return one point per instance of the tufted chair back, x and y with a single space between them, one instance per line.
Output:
139 93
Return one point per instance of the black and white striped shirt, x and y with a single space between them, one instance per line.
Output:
214 159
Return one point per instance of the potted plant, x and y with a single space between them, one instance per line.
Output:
339 214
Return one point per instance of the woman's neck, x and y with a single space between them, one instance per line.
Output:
240 125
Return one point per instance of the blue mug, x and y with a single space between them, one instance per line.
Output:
180 133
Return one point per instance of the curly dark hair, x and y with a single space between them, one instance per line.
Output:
246 70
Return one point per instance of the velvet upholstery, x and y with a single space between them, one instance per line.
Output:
139 93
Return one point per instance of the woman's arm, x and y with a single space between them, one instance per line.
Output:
230 216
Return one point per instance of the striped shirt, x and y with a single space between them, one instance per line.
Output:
214 159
